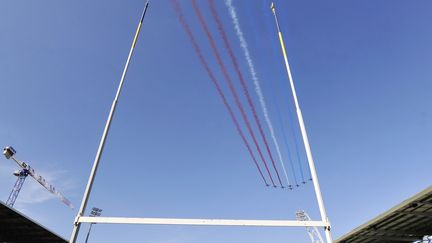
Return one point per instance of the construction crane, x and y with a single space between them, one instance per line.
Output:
27 170
313 232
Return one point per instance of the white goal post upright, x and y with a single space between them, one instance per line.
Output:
80 218
99 152
311 163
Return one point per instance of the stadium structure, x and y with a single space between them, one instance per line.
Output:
15 227
408 221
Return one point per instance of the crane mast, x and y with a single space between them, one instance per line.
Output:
21 176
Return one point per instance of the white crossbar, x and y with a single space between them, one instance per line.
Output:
203 222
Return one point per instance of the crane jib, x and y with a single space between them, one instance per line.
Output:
46 184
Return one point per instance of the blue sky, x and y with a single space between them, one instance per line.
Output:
362 72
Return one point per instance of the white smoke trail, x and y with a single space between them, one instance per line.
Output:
258 90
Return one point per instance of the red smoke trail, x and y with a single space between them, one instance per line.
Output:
230 84
215 82
242 82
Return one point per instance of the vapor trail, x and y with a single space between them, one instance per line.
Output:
258 90
230 84
243 84
216 83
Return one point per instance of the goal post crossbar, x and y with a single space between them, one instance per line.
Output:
201 222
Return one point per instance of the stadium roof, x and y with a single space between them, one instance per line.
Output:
17 228
407 222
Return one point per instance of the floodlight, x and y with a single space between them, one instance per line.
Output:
95 212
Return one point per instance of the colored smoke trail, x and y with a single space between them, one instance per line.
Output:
253 73
215 82
243 85
285 140
230 84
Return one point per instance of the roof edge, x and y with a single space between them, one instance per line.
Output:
399 206
33 221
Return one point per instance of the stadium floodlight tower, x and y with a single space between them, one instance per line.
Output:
96 212
312 231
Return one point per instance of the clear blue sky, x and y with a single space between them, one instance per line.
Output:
363 75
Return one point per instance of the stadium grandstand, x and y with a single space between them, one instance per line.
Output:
18 228
410 221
